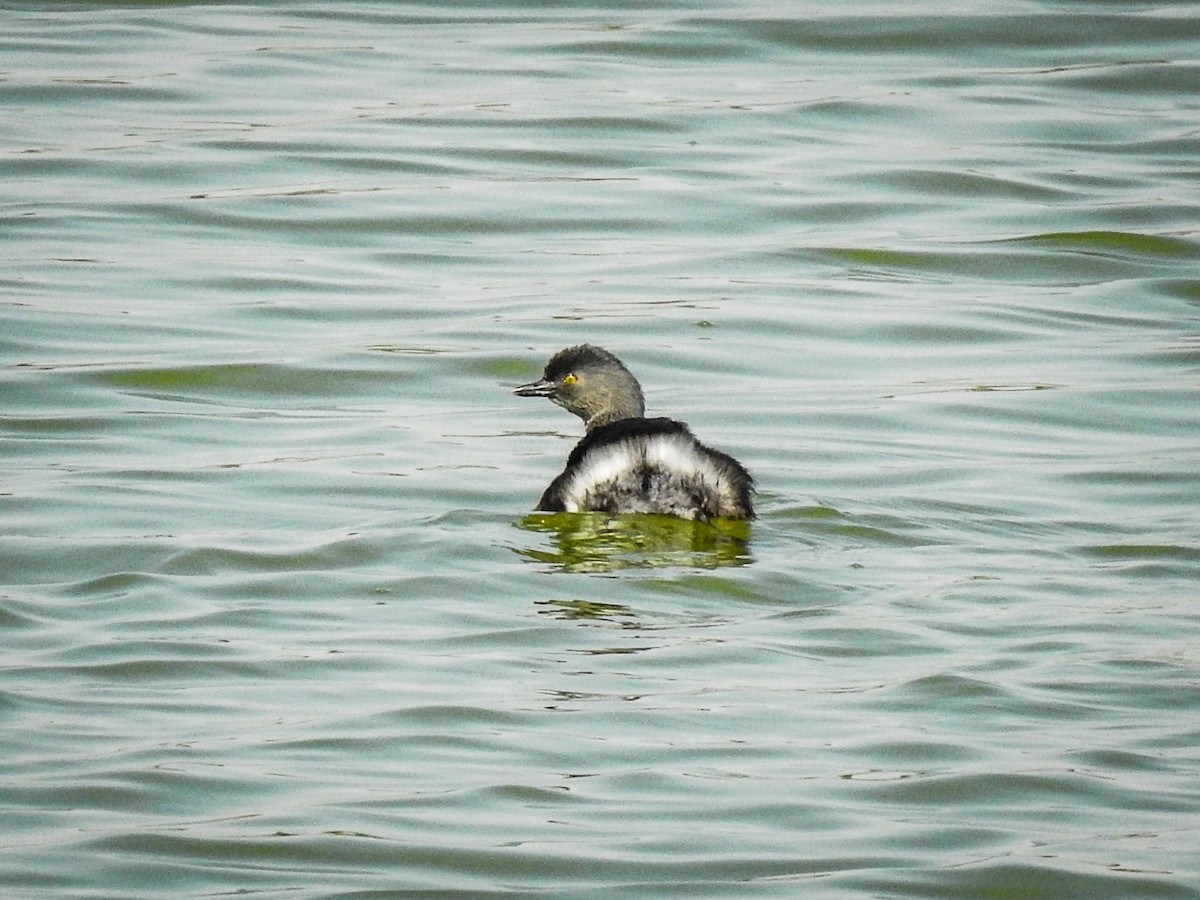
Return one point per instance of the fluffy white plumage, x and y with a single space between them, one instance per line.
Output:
660 472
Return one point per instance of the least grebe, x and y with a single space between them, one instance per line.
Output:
626 462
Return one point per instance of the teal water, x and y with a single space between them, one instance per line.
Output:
277 620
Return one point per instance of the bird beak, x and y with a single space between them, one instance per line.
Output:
541 388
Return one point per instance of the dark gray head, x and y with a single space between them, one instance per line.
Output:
590 382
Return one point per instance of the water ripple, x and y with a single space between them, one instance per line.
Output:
279 618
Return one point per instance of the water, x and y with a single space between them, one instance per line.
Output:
277 619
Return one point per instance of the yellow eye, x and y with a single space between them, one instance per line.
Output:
569 378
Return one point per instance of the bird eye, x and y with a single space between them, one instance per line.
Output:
569 378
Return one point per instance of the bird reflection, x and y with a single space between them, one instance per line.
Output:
600 543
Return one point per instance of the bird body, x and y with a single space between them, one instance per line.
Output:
627 463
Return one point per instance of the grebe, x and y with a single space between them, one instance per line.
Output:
627 463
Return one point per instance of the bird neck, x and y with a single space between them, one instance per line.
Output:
607 417
614 409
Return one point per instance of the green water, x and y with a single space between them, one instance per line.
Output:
277 618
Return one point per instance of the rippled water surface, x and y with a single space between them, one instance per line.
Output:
277 619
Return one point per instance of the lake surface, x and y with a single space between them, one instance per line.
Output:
277 619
